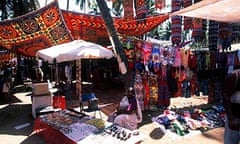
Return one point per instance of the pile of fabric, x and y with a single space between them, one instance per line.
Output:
184 121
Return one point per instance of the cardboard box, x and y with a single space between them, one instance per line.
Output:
40 89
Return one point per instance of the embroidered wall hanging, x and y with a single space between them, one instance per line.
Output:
92 27
37 30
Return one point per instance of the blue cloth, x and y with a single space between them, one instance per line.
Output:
88 96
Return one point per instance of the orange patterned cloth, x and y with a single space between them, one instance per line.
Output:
34 31
49 26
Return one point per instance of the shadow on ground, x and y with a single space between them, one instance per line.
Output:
13 115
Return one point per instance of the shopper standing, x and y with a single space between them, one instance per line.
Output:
231 102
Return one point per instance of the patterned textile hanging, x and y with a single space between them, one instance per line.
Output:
141 9
197 29
176 23
128 46
159 4
187 20
156 51
224 35
197 26
128 9
235 28
163 91
37 30
153 99
146 52
213 35
139 90
92 27
145 82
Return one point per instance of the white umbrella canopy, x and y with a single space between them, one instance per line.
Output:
74 50
49 54
85 50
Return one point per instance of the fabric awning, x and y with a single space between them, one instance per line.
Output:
50 26
218 10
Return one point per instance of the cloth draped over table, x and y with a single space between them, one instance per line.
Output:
49 26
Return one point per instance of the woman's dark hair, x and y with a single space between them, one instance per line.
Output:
131 99
130 91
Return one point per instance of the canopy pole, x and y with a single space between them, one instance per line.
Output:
79 80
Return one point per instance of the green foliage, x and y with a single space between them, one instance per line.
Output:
12 8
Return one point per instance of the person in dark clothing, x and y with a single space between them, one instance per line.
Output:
231 102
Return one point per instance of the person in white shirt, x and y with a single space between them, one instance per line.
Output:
68 73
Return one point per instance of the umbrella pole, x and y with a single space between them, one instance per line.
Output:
78 78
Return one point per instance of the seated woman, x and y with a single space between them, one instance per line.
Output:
129 113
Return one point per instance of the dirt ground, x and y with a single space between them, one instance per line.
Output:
17 111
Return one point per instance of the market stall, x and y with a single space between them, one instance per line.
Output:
74 50
71 127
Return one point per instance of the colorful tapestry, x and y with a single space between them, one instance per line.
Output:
224 30
128 9
187 20
86 27
176 23
197 33
159 4
51 26
34 31
92 28
141 9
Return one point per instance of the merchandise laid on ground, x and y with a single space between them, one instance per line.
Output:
191 121
72 127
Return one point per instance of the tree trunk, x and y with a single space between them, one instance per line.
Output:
117 46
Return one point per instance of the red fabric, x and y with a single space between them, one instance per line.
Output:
34 31
146 89
50 135
192 61
176 23
176 30
50 26
92 28
159 4
59 102
176 5
197 28
187 20
223 31
128 8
